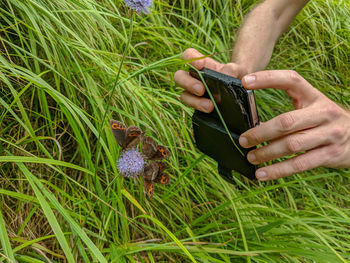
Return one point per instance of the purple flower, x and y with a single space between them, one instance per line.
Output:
139 5
130 163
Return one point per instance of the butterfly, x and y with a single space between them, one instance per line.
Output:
127 137
154 173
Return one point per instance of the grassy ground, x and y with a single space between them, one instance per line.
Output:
61 197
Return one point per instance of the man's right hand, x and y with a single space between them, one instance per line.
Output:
194 88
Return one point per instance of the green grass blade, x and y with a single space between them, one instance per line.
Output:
5 241
171 235
49 214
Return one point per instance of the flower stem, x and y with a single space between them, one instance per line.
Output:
116 83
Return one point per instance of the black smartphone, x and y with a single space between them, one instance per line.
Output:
239 112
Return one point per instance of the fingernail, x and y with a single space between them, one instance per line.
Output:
205 105
249 79
251 157
197 88
243 141
261 175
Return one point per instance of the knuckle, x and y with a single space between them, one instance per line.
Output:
294 145
187 52
333 111
300 165
254 138
294 76
203 105
277 173
287 121
337 133
335 151
268 75
261 154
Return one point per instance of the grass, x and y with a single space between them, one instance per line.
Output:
61 197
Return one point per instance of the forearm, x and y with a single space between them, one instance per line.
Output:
261 30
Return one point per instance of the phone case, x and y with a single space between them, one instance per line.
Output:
209 133
212 139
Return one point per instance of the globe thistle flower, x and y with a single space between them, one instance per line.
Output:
139 5
131 163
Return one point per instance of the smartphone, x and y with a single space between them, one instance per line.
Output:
238 109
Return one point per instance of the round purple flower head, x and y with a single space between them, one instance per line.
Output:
130 163
139 5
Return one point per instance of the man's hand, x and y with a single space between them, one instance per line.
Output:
318 129
194 88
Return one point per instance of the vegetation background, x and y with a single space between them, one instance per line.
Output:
61 197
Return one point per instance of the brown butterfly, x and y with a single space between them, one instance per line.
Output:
127 137
152 151
154 173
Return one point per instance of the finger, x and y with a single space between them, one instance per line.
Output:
303 162
198 103
282 125
207 62
288 80
184 80
295 143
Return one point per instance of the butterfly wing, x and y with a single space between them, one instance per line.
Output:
162 166
151 171
152 151
149 147
162 178
162 153
132 137
119 131
149 187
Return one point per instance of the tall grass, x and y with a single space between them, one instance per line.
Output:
62 199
